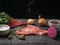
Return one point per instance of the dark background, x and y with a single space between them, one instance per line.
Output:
19 8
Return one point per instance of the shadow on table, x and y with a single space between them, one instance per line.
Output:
57 38
4 36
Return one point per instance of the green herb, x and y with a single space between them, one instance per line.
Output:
12 31
4 18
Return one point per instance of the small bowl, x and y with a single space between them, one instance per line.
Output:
4 29
54 22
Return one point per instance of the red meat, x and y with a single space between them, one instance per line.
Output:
14 23
31 30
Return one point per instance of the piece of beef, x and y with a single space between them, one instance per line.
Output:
31 30
14 23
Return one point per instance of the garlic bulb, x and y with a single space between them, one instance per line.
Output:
30 21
